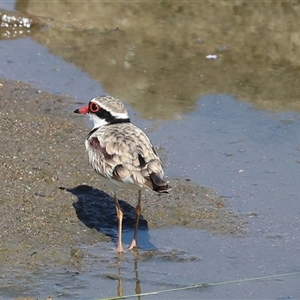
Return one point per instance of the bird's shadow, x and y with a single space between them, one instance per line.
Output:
96 209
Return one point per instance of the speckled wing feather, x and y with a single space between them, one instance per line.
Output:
124 153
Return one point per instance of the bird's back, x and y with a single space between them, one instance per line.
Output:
124 154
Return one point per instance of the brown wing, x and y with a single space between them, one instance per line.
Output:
124 152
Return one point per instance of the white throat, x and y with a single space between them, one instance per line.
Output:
97 121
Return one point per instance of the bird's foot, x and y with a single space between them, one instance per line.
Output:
120 249
133 244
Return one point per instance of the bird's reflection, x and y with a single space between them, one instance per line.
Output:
138 289
120 289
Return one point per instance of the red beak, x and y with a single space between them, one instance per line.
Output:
83 110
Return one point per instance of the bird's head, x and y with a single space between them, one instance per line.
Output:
105 110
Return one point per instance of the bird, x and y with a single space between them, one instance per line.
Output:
123 155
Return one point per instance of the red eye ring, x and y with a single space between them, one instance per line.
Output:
94 107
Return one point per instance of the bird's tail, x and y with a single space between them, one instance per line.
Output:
158 184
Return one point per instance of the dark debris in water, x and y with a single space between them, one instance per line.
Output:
174 255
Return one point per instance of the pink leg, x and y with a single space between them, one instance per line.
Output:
138 210
120 219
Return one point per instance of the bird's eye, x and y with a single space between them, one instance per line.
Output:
94 107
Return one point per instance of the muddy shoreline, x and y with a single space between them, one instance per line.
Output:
51 201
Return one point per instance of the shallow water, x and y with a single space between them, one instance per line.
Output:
251 157
192 257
